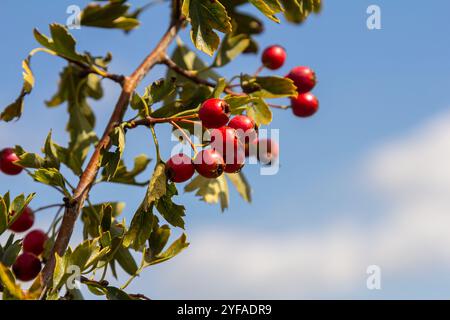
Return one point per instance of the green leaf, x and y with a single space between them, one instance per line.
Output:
159 90
158 240
112 15
210 190
205 17
275 87
51 152
3 215
241 184
126 260
11 252
140 104
111 160
75 89
268 7
140 229
122 175
17 206
175 248
238 103
15 109
171 212
157 186
220 87
231 47
106 217
116 294
61 43
298 10
260 111
92 217
51 177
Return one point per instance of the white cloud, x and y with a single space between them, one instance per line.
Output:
412 175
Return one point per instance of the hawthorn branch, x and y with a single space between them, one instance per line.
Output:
192 75
105 284
89 175
148 121
102 73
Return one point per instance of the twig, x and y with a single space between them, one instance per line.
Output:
192 75
276 106
105 284
57 205
259 70
90 173
184 135
92 69
148 121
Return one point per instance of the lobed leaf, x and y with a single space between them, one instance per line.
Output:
206 16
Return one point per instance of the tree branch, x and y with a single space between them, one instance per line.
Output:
105 284
192 75
88 176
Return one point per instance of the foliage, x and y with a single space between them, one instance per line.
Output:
222 29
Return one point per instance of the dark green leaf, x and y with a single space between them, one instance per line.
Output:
175 248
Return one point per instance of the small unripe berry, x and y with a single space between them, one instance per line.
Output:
34 242
209 163
24 221
26 267
268 151
304 105
274 57
304 78
180 168
7 159
214 113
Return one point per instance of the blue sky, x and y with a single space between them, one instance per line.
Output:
377 89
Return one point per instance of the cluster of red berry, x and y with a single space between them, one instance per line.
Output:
28 265
304 78
227 140
240 134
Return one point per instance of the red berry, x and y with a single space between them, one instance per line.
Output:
236 164
7 159
304 79
214 113
225 141
24 221
180 168
209 163
34 242
244 126
304 105
274 57
268 151
26 267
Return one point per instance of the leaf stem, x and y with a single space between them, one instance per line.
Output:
155 140
185 135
